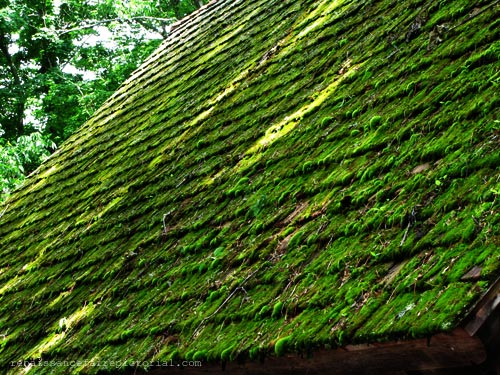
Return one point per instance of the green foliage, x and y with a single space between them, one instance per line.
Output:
126 334
190 354
219 252
213 296
19 158
243 181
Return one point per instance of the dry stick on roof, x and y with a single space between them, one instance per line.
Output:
165 228
5 209
238 288
411 220
405 235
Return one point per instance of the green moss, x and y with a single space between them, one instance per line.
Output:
282 345
126 334
200 355
213 296
202 267
326 121
226 176
264 311
243 181
342 42
254 353
154 330
355 132
190 354
375 121
226 354
219 252
307 166
277 309
295 239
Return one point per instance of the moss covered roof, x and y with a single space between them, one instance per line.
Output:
278 176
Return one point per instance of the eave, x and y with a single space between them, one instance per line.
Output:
456 349
466 349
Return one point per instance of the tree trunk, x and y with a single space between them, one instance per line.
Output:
15 127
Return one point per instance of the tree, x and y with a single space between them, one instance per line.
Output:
57 67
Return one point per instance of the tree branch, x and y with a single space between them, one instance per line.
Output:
137 19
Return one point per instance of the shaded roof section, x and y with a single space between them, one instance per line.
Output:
279 176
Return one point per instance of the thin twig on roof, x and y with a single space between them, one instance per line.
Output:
5 209
237 289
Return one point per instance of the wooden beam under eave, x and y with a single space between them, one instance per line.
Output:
454 350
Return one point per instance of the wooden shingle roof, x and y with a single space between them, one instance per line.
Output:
279 177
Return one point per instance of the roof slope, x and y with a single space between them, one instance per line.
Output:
279 175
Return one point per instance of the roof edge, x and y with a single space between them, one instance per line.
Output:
483 309
443 350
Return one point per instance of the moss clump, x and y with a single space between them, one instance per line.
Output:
295 240
243 181
325 121
219 252
342 42
190 354
213 296
154 330
264 311
126 334
282 345
254 189
202 267
375 121
225 355
307 166
258 206
254 353
200 355
277 309
216 263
